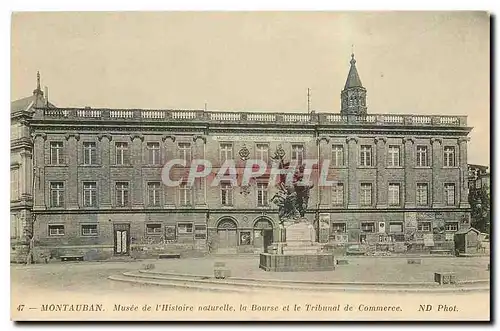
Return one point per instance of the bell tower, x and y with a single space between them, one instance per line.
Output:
353 96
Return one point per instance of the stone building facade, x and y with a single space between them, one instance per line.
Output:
98 190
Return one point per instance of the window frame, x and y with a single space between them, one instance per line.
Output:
154 152
262 153
226 149
338 149
180 224
366 156
61 192
82 226
59 158
91 191
446 224
335 195
122 150
185 152
297 152
89 153
125 188
449 156
154 187
391 158
226 191
370 223
418 155
185 191
262 194
447 195
417 194
50 234
343 226
421 228
153 226
362 197
390 196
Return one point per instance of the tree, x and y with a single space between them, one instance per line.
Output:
479 200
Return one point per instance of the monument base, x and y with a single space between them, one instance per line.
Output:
299 252
306 262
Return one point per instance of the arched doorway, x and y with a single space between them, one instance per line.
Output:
227 236
262 234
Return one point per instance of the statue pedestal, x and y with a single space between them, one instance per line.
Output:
299 252
300 239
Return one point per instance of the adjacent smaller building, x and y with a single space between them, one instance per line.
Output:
479 176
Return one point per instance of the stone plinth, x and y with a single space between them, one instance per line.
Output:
300 240
300 233
299 252
306 262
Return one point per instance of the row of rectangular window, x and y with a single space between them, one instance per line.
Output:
394 194
366 158
154 194
187 228
91 230
227 194
394 227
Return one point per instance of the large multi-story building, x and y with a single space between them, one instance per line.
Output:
98 188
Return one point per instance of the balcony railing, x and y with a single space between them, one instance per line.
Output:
249 117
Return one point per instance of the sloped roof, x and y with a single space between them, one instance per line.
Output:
467 231
353 79
28 102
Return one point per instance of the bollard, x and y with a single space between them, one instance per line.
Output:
221 271
444 278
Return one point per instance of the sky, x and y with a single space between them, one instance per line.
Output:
435 63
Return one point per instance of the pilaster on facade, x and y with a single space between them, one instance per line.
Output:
105 185
410 194
322 139
200 183
169 147
170 197
437 164
324 152
39 140
25 175
136 180
464 173
72 162
381 182
352 146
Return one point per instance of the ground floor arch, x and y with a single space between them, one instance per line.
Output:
227 235
263 233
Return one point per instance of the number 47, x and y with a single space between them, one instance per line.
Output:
20 308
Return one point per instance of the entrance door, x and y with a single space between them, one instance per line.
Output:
263 234
122 239
228 237
267 238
